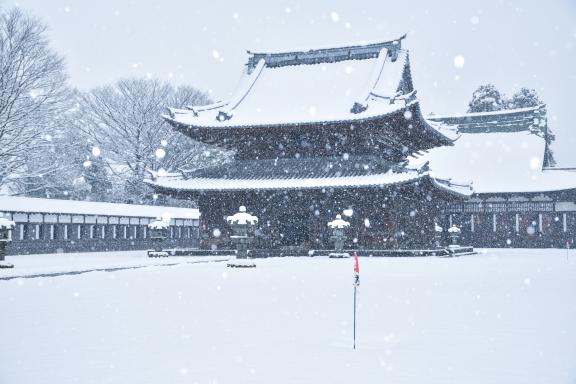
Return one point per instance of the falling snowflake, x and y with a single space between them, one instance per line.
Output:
459 61
160 153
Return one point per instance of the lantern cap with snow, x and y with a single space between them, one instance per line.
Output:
158 224
454 232
454 229
242 217
338 222
158 233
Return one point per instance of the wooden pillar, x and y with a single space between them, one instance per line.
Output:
540 222
494 222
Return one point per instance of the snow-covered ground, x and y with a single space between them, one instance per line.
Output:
69 263
503 316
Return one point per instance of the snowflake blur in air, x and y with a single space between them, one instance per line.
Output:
160 153
95 151
459 61
335 16
87 164
164 143
475 20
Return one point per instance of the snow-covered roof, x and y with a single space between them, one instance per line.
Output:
36 205
333 85
497 162
297 94
520 119
302 173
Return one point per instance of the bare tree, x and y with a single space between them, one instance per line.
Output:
32 89
125 121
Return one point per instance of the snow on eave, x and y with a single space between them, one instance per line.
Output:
461 190
222 124
18 204
207 107
213 184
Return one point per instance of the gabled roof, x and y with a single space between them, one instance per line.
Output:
332 85
499 152
513 120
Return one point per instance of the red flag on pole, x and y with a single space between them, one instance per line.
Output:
356 270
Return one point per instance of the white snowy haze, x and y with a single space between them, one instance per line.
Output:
455 45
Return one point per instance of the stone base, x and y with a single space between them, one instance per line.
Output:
241 264
341 255
158 254
4 264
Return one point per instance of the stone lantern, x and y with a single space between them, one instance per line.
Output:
454 233
5 227
158 232
438 235
338 226
242 224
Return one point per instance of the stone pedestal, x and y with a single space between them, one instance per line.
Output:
158 232
5 227
242 224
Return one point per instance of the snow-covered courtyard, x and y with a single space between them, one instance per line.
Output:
502 316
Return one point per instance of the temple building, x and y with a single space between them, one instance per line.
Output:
340 130
519 200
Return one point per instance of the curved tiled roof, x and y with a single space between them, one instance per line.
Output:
302 173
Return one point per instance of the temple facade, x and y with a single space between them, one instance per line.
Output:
339 130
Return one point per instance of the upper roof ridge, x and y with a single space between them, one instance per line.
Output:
325 55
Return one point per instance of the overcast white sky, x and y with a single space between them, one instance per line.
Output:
203 43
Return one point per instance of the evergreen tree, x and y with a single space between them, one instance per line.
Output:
524 98
486 99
